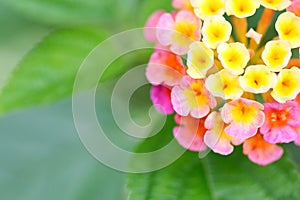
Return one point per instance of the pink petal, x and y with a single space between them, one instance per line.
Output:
187 17
215 138
181 48
200 112
259 120
179 101
260 151
158 74
165 68
177 119
150 27
242 131
281 135
161 98
167 32
295 7
294 119
165 29
178 3
217 143
283 129
160 47
190 134
181 4
210 120
297 141
226 113
297 100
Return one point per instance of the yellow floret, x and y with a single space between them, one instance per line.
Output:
234 57
243 113
287 86
242 8
224 84
277 54
207 8
288 28
276 4
257 79
199 60
216 30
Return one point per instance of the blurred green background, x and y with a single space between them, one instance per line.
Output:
41 156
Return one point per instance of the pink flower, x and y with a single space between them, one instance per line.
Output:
281 122
165 68
297 140
182 5
243 116
161 98
178 32
295 7
191 97
150 27
261 152
215 137
190 132
297 99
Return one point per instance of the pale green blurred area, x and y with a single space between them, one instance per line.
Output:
41 156
17 36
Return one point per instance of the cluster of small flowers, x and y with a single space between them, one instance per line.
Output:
233 88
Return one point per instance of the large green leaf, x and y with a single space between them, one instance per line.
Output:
47 72
216 177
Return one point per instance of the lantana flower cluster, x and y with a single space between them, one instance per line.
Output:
225 79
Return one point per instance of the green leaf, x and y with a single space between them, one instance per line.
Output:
216 177
16 38
47 72
76 12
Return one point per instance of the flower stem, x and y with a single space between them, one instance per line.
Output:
240 28
263 25
294 62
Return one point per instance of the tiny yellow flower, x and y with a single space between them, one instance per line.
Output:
242 8
287 86
288 28
257 79
234 57
277 54
207 8
276 4
199 60
216 30
224 84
